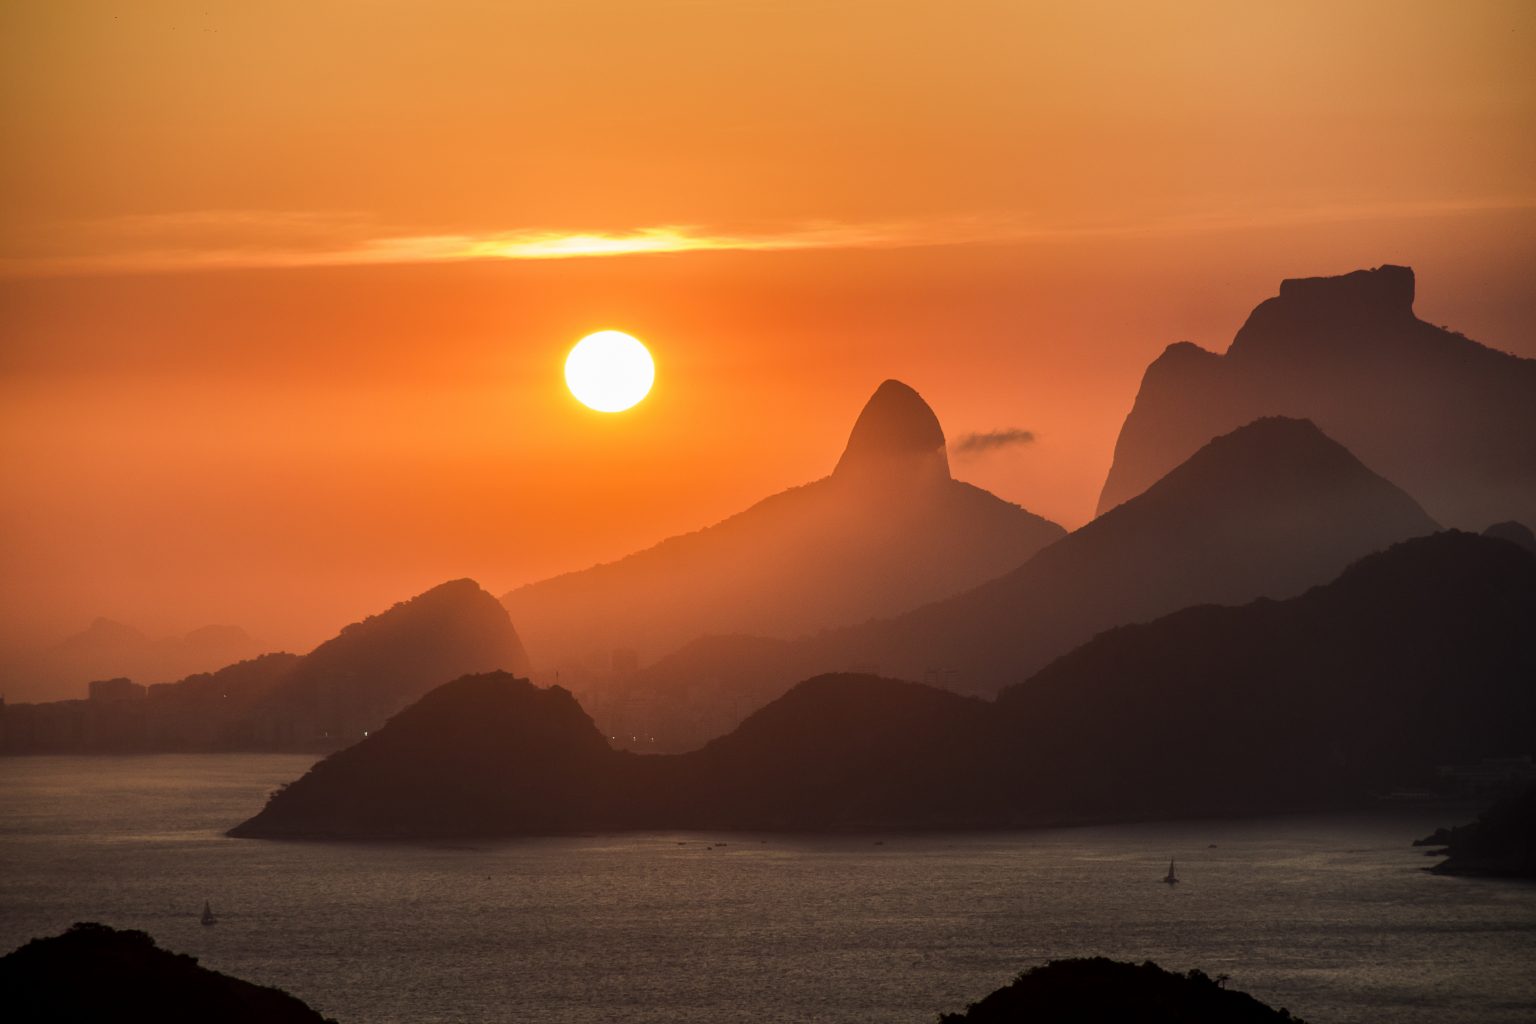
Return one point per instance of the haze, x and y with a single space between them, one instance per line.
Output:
281 346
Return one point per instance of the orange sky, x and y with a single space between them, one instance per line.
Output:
276 351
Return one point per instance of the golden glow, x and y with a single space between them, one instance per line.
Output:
609 371
1014 207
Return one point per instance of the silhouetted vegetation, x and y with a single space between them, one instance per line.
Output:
1501 842
1097 990
96 973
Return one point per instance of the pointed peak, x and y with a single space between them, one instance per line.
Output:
895 429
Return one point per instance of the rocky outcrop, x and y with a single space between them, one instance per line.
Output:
888 530
1450 421
896 433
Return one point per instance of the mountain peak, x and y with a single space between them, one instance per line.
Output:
1346 311
1277 453
1386 288
896 428
1442 416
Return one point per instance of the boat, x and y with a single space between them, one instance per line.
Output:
1171 878
208 917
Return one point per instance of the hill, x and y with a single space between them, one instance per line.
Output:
107 649
888 530
373 668
96 973
484 752
339 691
1451 421
1267 510
1419 656
1413 657
1096 990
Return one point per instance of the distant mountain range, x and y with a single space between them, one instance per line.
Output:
348 685
1413 657
1267 510
107 649
887 531
1449 420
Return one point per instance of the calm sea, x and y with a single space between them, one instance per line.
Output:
1330 917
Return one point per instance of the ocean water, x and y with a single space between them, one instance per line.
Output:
1331 917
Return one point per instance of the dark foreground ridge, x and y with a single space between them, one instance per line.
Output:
1416 657
1097 990
1501 843
96 973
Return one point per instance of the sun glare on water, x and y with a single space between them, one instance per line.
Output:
609 371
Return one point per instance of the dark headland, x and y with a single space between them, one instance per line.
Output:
1501 843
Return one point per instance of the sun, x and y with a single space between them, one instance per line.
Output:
609 371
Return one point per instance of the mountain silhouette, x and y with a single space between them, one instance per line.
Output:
483 748
849 751
1451 421
496 755
343 688
357 679
1267 510
1417 656
1515 533
887 531
1413 657
106 649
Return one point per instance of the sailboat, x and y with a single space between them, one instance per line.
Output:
208 917
1171 878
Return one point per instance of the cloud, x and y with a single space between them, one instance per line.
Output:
991 440
212 239
221 239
